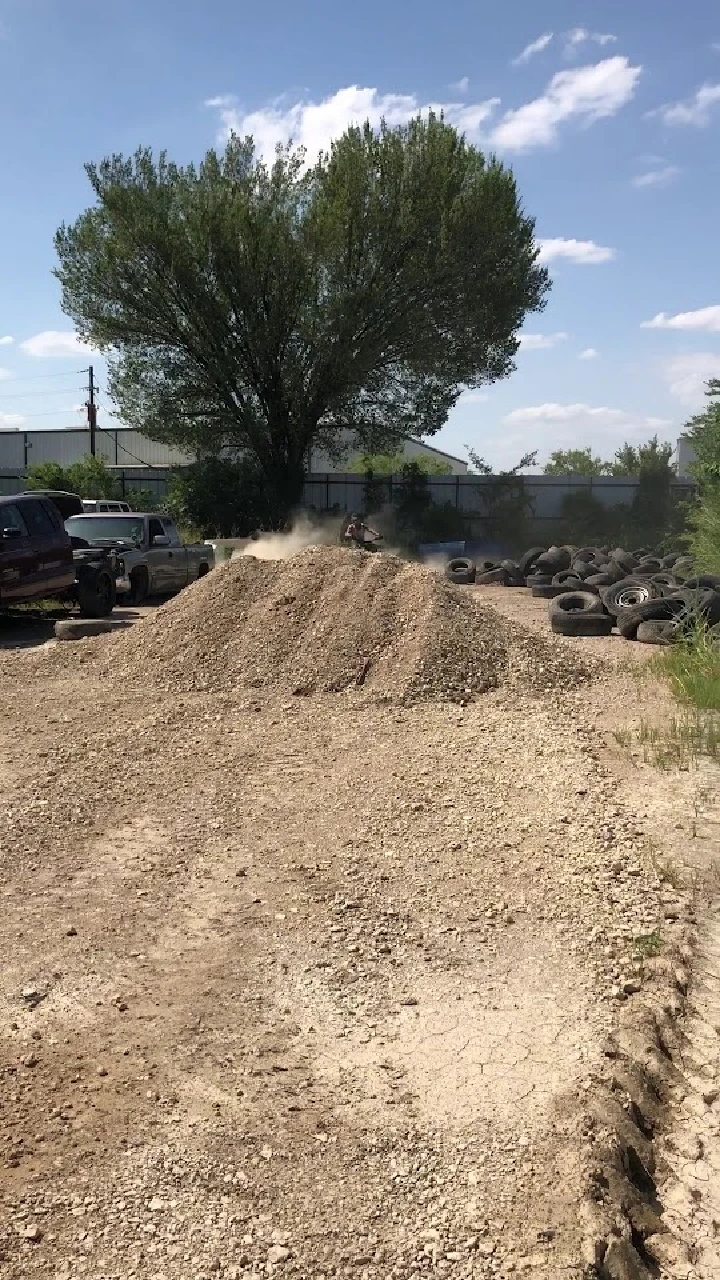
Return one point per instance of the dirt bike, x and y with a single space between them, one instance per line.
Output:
367 544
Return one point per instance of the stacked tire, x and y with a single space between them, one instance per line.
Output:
647 596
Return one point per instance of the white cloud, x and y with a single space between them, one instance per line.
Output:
695 110
656 177
473 397
586 94
540 341
585 252
54 342
590 353
707 318
314 124
535 46
580 35
585 416
460 86
11 420
7 341
5 373
687 374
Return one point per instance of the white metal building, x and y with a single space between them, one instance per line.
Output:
123 447
685 457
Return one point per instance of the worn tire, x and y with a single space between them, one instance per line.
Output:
554 560
526 562
97 594
546 591
666 581
583 568
628 593
656 631
598 580
709 608
515 577
703 582
538 580
663 609
581 624
577 604
494 577
79 628
461 571
622 558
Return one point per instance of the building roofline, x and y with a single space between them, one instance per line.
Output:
442 453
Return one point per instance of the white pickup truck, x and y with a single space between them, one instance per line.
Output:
151 558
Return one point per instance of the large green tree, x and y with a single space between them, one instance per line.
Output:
630 460
651 458
703 432
574 462
268 308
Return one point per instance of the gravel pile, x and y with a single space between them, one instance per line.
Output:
330 620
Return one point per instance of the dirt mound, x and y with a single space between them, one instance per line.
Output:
328 620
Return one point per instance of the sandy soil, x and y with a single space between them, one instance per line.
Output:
315 986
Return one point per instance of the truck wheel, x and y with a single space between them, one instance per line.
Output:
139 585
96 594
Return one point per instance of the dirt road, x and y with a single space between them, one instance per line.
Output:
316 986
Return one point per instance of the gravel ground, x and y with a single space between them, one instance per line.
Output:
311 986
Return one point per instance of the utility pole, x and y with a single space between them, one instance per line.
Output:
91 410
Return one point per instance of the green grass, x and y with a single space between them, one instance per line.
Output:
692 668
679 742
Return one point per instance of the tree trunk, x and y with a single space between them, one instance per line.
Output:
285 480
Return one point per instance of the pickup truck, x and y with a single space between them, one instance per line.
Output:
152 560
39 561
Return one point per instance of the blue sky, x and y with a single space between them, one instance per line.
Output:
608 113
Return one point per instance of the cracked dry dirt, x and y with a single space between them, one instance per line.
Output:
319 986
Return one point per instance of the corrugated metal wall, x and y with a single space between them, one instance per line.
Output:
119 447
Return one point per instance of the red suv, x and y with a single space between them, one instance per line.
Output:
37 558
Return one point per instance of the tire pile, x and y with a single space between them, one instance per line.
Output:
592 590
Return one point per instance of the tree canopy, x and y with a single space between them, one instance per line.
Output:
390 464
703 431
574 462
268 308
651 458
90 478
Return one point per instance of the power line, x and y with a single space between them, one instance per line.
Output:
31 395
47 413
38 377
129 453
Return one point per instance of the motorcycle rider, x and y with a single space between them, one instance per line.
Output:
356 532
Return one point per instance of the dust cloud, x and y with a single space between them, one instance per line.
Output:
282 546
